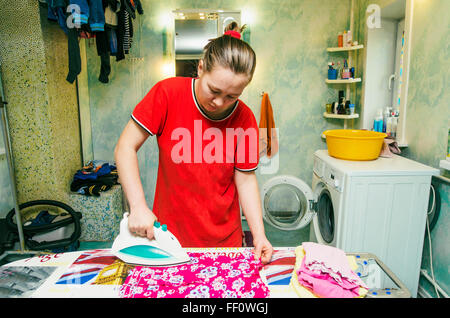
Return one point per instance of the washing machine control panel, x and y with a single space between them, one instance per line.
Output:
333 178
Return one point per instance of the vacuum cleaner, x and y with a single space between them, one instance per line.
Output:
46 231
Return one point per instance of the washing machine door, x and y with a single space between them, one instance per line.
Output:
324 222
287 203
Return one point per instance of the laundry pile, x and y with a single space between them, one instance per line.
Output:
207 275
110 22
325 271
96 176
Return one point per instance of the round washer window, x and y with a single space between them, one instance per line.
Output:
325 215
285 205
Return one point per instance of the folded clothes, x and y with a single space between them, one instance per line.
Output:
96 176
328 260
324 271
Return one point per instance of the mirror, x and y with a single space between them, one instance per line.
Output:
193 29
386 67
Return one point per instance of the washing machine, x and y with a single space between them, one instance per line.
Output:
289 204
378 206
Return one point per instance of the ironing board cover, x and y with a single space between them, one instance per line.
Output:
207 275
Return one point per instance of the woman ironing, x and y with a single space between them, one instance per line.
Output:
208 153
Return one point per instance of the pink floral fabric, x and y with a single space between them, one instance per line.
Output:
207 275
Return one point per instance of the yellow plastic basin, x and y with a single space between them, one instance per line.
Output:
352 144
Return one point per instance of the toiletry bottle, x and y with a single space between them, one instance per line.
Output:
394 127
351 109
386 115
389 126
345 71
349 38
341 105
340 40
394 114
332 73
347 107
378 123
344 38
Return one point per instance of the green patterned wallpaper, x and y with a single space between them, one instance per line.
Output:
290 41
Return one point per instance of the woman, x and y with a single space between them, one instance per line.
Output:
208 151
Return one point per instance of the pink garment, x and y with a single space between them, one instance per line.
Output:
324 285
207 275
325 270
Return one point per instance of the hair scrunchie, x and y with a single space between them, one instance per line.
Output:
233 33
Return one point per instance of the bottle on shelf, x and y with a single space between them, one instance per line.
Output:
349 38
378 122
386 116
345 71
340 40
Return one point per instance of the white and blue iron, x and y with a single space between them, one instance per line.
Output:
163 250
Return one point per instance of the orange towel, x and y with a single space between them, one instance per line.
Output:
268 141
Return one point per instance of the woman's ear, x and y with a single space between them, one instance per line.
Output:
200 68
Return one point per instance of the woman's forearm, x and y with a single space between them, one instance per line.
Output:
248 190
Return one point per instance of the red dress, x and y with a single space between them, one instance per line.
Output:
195 191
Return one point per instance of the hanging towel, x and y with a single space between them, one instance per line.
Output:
268 140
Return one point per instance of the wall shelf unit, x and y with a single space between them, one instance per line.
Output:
343 81
338 116
343 49
350 50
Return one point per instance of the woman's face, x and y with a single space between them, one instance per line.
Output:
218 90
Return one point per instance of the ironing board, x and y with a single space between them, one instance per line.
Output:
96 274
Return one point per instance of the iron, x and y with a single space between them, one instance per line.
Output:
163 250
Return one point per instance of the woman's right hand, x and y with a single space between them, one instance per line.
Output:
140 222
